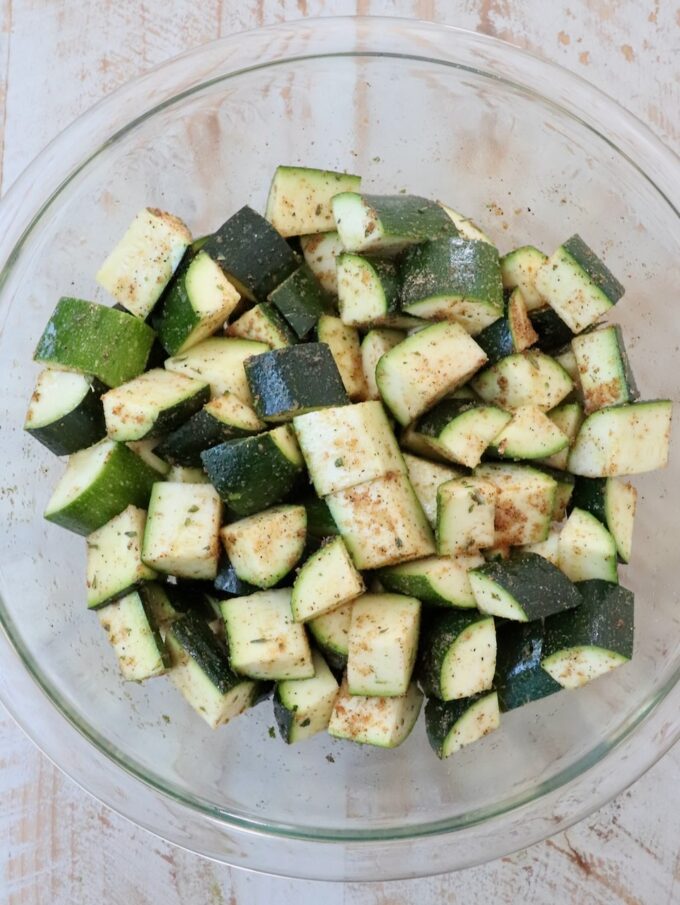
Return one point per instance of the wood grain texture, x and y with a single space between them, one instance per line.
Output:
57 845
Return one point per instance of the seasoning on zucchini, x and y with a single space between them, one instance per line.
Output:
303 707
301 300
457 655
326 581
65 412
370 720
451 725
263 548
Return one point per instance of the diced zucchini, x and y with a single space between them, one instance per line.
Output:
303 707
453 279
220 362
465 516
201 672
577 285
381 522
383 642
263 548
426 366
114 563
552 332
524 587
263 323
141 265
369 291
343 341
295 380
508 334
223 418
388 223
461 430
198 302
549 548
65 412
93 339
134 636
530 378
228 584
99 482
373 347
451 725
595 638
320 524
519 269
524 505
347 445
426 477
320 252
568 417
152 404
182 530
252 254
301 300
264 641
612 502
457 654
604 370
162 610
435 580
384 722
331 633
254 473
326 581
299 201
531 434
465 226
520 678
623 440
586 549
146 450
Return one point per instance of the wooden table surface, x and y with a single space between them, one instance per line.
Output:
60 847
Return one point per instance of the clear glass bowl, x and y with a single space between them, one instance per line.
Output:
535 154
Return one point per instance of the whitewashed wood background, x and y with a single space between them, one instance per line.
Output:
57 845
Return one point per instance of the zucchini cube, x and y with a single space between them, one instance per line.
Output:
114 562
465 516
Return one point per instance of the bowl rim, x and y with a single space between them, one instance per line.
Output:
23 207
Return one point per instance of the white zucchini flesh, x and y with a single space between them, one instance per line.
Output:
182 530
320 251
470 662
383 641
373 346
576 666
426 477
527 378
549 548
55 388
466 510
530 434
219 361
114 562
137 645
479 720
309 701
327 580
586 549
384 722
140 266
264 547
299 200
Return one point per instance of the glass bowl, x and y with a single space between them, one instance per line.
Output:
535 154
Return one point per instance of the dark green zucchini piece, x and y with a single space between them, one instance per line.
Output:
612 502
93 339
460 430
552 332
524 587
457 655
450 725
301 300
65 413
594 638
295 380
320 522
520 678
302 707
453 279
253 256
254 473
228 584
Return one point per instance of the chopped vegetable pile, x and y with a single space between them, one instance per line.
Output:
347 453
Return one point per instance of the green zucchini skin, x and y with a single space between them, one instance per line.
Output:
253 256
538 586
320 522
411 216
250 474
453 266
185 445
82 336
604 619
552 332
125 480
192 595
496 340
194 636
83 426
586 258
442 716
291 381
520 679
228 584
301 300
439 632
